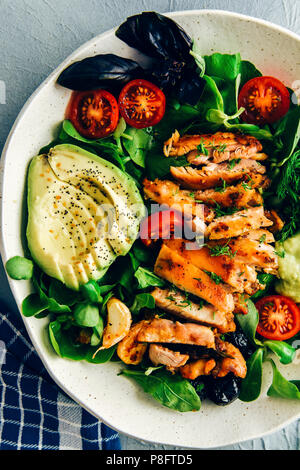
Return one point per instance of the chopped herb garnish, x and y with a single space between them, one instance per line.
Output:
202 149
221 250
217 279
231 164
221 189
246 186
263 238
220 211
280 253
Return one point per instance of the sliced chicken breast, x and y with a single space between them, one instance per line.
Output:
187 277
169 193
240 196
218 147
171 359
235 363
213 174
166 331
238 223
176 303
231 270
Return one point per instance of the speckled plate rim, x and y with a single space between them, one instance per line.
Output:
3 250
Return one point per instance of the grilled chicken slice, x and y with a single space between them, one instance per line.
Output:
176 303
217 147
237 224
240 196
166 331
233 272
213 175
240 304
169 194
262 235
197 368
171 359
253 253
183 274
235 363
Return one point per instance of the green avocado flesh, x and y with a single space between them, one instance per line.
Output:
83 212
289 268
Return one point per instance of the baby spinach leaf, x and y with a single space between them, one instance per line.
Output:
19 268
142 301
138 145
97 333
86 315
52 305
248 71
33 305
91 291
283 351
266 279
225 66
282 387
170 390
64 296
249 322
102 356
251 385
147 278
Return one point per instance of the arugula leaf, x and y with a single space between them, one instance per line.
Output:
170 390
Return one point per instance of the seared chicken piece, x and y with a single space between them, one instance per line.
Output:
262 235
232 271
184 275
176 303
195 369
277 221
213 175
171 359
239 196
253 253
169 194
167 331
235 363
237 224
240 305
218 147
129 349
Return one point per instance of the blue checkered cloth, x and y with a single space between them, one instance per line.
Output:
34 413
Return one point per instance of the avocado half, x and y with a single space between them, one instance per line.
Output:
83 212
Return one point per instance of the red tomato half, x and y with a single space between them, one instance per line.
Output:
161 225
142 104
279 317
265 100
94 114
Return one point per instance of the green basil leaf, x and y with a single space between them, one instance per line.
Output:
249 322
170 390
33 305
282 387
251 385
147 278
19 268
86 315
283 351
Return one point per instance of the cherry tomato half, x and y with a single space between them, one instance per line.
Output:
142 104
279 317
161 225
94 114
265 100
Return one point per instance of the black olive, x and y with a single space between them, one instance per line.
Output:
223 391
200 388
240 341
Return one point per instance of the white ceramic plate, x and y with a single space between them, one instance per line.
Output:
113 399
